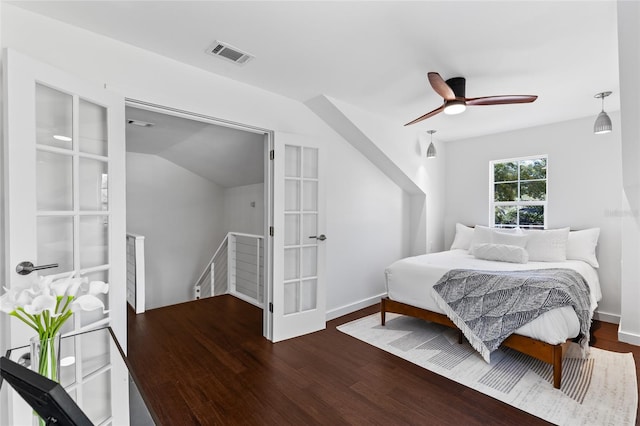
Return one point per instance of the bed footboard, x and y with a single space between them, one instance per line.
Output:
551 354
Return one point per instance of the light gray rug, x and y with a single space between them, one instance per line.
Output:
598 390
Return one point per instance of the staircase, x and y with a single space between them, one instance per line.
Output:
236 268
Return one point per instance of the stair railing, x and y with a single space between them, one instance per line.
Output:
236 268
135 272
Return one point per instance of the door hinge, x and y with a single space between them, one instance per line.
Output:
271 231
271 307
272 154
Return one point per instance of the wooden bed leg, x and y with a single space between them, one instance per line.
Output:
460 336
383 311
557 366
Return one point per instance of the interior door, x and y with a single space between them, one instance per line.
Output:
298 299
65 189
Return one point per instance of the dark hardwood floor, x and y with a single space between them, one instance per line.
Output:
206 363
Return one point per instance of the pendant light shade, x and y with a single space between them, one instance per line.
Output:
603 122
431 151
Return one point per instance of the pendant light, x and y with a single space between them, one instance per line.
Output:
603 122
431 151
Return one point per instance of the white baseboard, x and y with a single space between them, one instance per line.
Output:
606 317
352 307
626 337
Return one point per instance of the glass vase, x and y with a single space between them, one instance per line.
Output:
45 360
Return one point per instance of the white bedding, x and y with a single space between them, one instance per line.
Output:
410 280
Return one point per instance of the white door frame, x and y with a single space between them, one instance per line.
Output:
267 322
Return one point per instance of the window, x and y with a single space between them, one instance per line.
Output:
519 192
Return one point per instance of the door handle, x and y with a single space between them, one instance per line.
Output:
320 237
25 268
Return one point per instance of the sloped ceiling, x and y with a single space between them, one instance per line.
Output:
376 55
225 156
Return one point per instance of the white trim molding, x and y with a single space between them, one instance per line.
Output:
627 337
606 317
352 307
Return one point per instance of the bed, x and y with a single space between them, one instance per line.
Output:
409 285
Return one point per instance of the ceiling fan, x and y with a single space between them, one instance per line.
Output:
455 102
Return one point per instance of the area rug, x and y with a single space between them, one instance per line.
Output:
598 390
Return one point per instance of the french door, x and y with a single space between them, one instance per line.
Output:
64 163
298 299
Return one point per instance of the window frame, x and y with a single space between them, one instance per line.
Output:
517 203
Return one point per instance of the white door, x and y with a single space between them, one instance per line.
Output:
298 300
65 184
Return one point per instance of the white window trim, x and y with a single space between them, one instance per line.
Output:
493 204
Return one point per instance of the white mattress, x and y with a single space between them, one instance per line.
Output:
410 281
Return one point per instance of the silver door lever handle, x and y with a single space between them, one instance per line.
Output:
25 268
320 237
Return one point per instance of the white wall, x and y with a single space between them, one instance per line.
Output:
367 229
406 147
176 211
628 41
239 213
354 265
584 178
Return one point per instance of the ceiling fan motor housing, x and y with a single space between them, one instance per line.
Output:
457 84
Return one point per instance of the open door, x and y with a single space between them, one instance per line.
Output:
64 165
298 298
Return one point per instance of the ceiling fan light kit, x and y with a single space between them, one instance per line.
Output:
455 101
603 122
454 107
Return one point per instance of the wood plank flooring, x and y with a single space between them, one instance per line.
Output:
206 363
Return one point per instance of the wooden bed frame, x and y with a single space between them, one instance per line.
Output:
545 352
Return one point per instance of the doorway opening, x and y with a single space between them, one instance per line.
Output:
199 193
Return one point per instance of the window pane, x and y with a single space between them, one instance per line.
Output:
55 242
533 169
536 190
94 241
505 191
54 174
532 216
506 215
93 185
503 172
54 117
291 229
93 128
308 294
292 161
310 163
291 297
291 264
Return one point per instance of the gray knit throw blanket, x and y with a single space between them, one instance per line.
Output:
488 306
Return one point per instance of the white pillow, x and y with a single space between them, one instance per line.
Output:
519 240
549 245
486 235
581 245
481 235
501 253
463 237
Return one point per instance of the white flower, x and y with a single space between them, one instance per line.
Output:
98 287
87 302
67 286
46 304
41 303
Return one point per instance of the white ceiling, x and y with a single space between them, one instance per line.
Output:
376 55
225 156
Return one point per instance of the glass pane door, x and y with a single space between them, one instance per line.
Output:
301 225
72 196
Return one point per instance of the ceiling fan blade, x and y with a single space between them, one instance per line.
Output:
501 100
441 86
427 115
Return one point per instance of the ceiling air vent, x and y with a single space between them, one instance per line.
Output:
229 53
